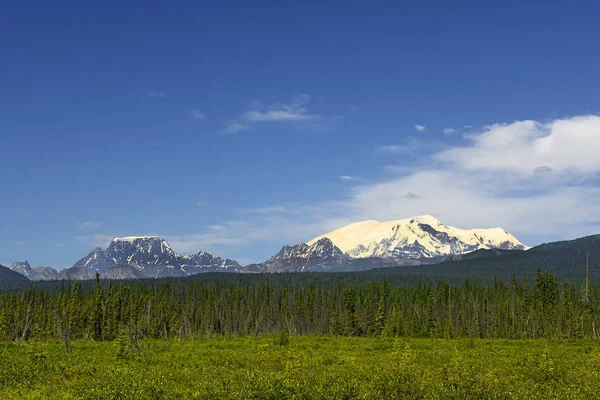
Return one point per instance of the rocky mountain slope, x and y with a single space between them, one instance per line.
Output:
321 255
42 273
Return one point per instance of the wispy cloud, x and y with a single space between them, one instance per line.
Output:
346 178
235 127
277 227
19 242
201 203
96 239
449 131
152 94
88 224
393 148
419 128
412 146
198 114
294 111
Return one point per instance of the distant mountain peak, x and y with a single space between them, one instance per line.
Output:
418 237
144 257
319 256
23 263
44 272
134 238
23 268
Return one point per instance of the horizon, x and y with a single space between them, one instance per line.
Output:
134 238
236 129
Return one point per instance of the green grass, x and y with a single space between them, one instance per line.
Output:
303 368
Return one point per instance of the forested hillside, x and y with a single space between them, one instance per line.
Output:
566 259
10 279
538 307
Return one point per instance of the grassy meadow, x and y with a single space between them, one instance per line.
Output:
302 367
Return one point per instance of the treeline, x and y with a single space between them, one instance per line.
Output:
189 309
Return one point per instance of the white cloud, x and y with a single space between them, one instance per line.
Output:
566 146
198 114
490 181
412 146
346 178
88 224
294 111
419 128
202 203
235 127
449 131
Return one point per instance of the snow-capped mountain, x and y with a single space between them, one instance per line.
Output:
320 255
421 237
358 246
131 258
42 273
141 251
144 257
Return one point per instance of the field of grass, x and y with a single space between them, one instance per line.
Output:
302 368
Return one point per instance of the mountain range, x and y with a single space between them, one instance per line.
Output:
372 244
132 258
415 238
357 246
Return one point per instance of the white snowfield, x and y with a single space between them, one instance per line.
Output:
411 238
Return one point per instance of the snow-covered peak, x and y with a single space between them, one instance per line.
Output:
133 238
141 251
146 256
422 236
23 268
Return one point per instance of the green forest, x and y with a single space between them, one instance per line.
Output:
272 337
188 309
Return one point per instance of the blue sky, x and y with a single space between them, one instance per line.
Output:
237 128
